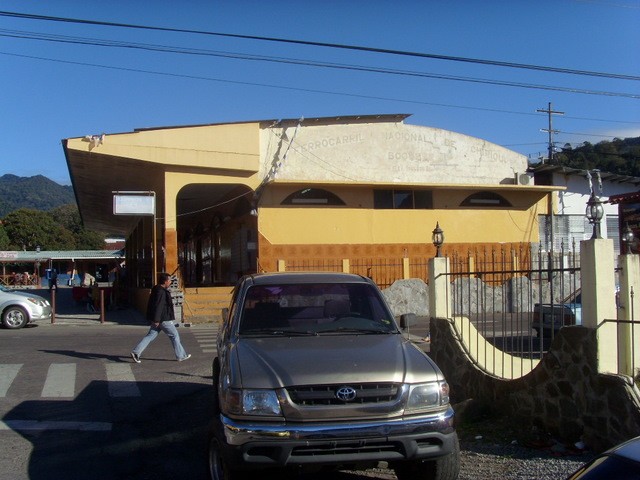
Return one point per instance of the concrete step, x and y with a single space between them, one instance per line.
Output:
205 304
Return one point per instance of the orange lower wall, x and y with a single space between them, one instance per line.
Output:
268 254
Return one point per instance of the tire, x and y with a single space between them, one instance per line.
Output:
441 468
14 317
219 469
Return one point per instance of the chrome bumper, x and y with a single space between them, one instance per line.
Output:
242 432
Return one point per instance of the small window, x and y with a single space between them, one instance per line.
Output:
485 199
402 199
312 196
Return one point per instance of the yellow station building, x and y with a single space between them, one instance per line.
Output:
357 193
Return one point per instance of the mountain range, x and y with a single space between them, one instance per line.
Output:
35 193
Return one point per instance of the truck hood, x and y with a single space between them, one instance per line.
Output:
329 359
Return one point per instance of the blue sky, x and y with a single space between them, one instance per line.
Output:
55 89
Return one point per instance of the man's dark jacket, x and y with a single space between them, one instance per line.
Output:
160 306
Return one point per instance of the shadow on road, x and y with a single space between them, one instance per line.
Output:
160 435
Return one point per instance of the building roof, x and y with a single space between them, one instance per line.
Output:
562 170
32 256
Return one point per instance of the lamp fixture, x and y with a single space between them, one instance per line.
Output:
437 237
594 213
627 238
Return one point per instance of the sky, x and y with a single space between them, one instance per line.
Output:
478 67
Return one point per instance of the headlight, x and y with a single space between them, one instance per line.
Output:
38 301
253 402
424 396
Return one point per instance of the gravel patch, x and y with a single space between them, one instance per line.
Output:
479 461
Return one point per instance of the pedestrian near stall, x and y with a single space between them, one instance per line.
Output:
161 316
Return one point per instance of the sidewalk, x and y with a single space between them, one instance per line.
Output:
69 312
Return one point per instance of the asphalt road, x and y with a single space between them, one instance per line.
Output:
74 405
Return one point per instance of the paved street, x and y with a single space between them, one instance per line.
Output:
70 397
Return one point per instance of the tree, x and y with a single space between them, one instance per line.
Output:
60 229
4 239
69 217
28 229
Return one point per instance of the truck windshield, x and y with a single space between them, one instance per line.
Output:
315 308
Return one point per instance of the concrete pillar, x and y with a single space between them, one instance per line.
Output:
406 273
346 265
629 298
598 298
439 291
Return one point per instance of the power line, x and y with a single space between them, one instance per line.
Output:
340 66
327 45
307 90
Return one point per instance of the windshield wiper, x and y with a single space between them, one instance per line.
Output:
356 330
283 333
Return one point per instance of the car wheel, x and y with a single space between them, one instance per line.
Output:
14 317
218 467
442 468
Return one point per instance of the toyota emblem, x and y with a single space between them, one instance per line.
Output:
346 394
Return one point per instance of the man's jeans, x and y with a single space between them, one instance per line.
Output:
170 329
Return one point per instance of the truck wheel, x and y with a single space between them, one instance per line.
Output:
14 317
219 469
442 468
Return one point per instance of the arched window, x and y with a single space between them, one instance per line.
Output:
485 199
312 196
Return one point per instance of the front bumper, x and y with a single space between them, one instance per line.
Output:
40 313
262 444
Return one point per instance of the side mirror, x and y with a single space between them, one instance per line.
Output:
408 320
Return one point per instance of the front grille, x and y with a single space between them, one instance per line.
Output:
359 448
366 393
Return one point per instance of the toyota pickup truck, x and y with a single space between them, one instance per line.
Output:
313 373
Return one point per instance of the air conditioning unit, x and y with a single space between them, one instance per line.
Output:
523 178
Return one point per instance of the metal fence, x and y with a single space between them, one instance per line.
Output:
517 310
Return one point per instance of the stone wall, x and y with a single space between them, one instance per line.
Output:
564 394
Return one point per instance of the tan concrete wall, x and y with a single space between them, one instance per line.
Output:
389 153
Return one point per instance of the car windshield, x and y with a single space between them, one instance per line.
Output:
314 309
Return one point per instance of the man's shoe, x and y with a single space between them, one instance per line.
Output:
135 357
185 358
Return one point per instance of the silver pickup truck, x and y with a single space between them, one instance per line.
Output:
313 373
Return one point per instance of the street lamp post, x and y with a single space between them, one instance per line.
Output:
437 237
594 213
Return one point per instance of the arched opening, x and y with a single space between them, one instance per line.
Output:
217 234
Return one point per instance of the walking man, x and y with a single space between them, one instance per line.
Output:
161 316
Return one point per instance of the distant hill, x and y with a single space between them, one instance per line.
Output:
620 156
36 193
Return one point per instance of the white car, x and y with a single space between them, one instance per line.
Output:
17 309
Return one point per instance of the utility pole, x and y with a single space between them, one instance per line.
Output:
550 130
549 111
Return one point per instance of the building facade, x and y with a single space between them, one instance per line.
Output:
343 193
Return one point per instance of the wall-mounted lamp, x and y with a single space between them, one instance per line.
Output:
594 213
437 237
627 238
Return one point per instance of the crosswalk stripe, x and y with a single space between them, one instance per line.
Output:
8 374
60 381
121 381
